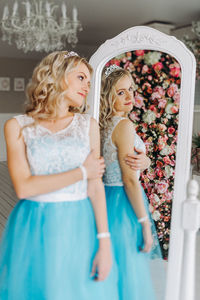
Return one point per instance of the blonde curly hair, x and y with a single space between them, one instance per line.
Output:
109 95
44 91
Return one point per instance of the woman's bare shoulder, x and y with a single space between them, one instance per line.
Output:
125 125
11 127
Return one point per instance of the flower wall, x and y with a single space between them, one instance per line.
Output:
157 77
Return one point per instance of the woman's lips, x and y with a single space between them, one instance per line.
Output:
83 95
128 103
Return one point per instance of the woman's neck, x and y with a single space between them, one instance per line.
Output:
120 114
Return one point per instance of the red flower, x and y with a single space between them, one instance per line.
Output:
166 160
139 52
159 164
171 130
174 109
158 66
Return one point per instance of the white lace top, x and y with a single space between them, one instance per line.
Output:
113 176
51 153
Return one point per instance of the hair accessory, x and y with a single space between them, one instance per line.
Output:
84 172
70 54
111 69
103 235
142 220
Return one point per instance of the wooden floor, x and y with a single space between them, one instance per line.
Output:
8 199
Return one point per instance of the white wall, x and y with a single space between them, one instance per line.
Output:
3 119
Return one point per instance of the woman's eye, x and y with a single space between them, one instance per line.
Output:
131 89
121 93
81 77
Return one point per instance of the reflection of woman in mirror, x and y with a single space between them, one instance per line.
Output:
129 219
50 241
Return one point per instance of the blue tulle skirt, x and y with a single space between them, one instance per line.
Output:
134 267
46 253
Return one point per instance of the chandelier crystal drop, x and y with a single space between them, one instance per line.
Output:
40 28
194 45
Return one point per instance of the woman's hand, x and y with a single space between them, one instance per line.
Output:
102 262
147 236
138 161
95 167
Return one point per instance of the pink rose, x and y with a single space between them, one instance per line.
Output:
153 108
172 163
145 69
162 187
151 175
176 98
139 52
169 195
154 199
174 109
166 160
157 66
155 95
160 90
161 142
139 100
165 120
150 77
171 130
175 70
162 103
159 172
134 117
162 127
172 90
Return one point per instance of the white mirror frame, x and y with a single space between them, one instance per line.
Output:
146 38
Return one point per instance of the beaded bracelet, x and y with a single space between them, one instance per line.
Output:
103 235
84 172
142 220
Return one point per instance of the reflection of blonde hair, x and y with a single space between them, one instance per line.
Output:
44 91
108 94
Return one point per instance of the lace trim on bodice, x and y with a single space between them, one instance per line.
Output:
113 176
52 153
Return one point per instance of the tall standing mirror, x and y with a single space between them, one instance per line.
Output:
163 70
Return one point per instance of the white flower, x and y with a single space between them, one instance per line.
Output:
165 84
168 108
168 171
156 215
165 246
151 58
149 117
166 150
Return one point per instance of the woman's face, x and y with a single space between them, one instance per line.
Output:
77 85
124 100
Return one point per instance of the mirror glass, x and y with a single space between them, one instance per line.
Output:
157 78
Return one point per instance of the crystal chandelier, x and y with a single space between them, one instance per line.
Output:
194 44
40 29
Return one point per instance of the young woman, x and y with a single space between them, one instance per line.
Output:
128 216
56 244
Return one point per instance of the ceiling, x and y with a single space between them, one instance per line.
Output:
104 19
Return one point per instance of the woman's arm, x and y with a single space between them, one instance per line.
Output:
139 161
27 185
96 193
123 138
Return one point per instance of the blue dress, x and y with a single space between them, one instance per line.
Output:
135 280
49 242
